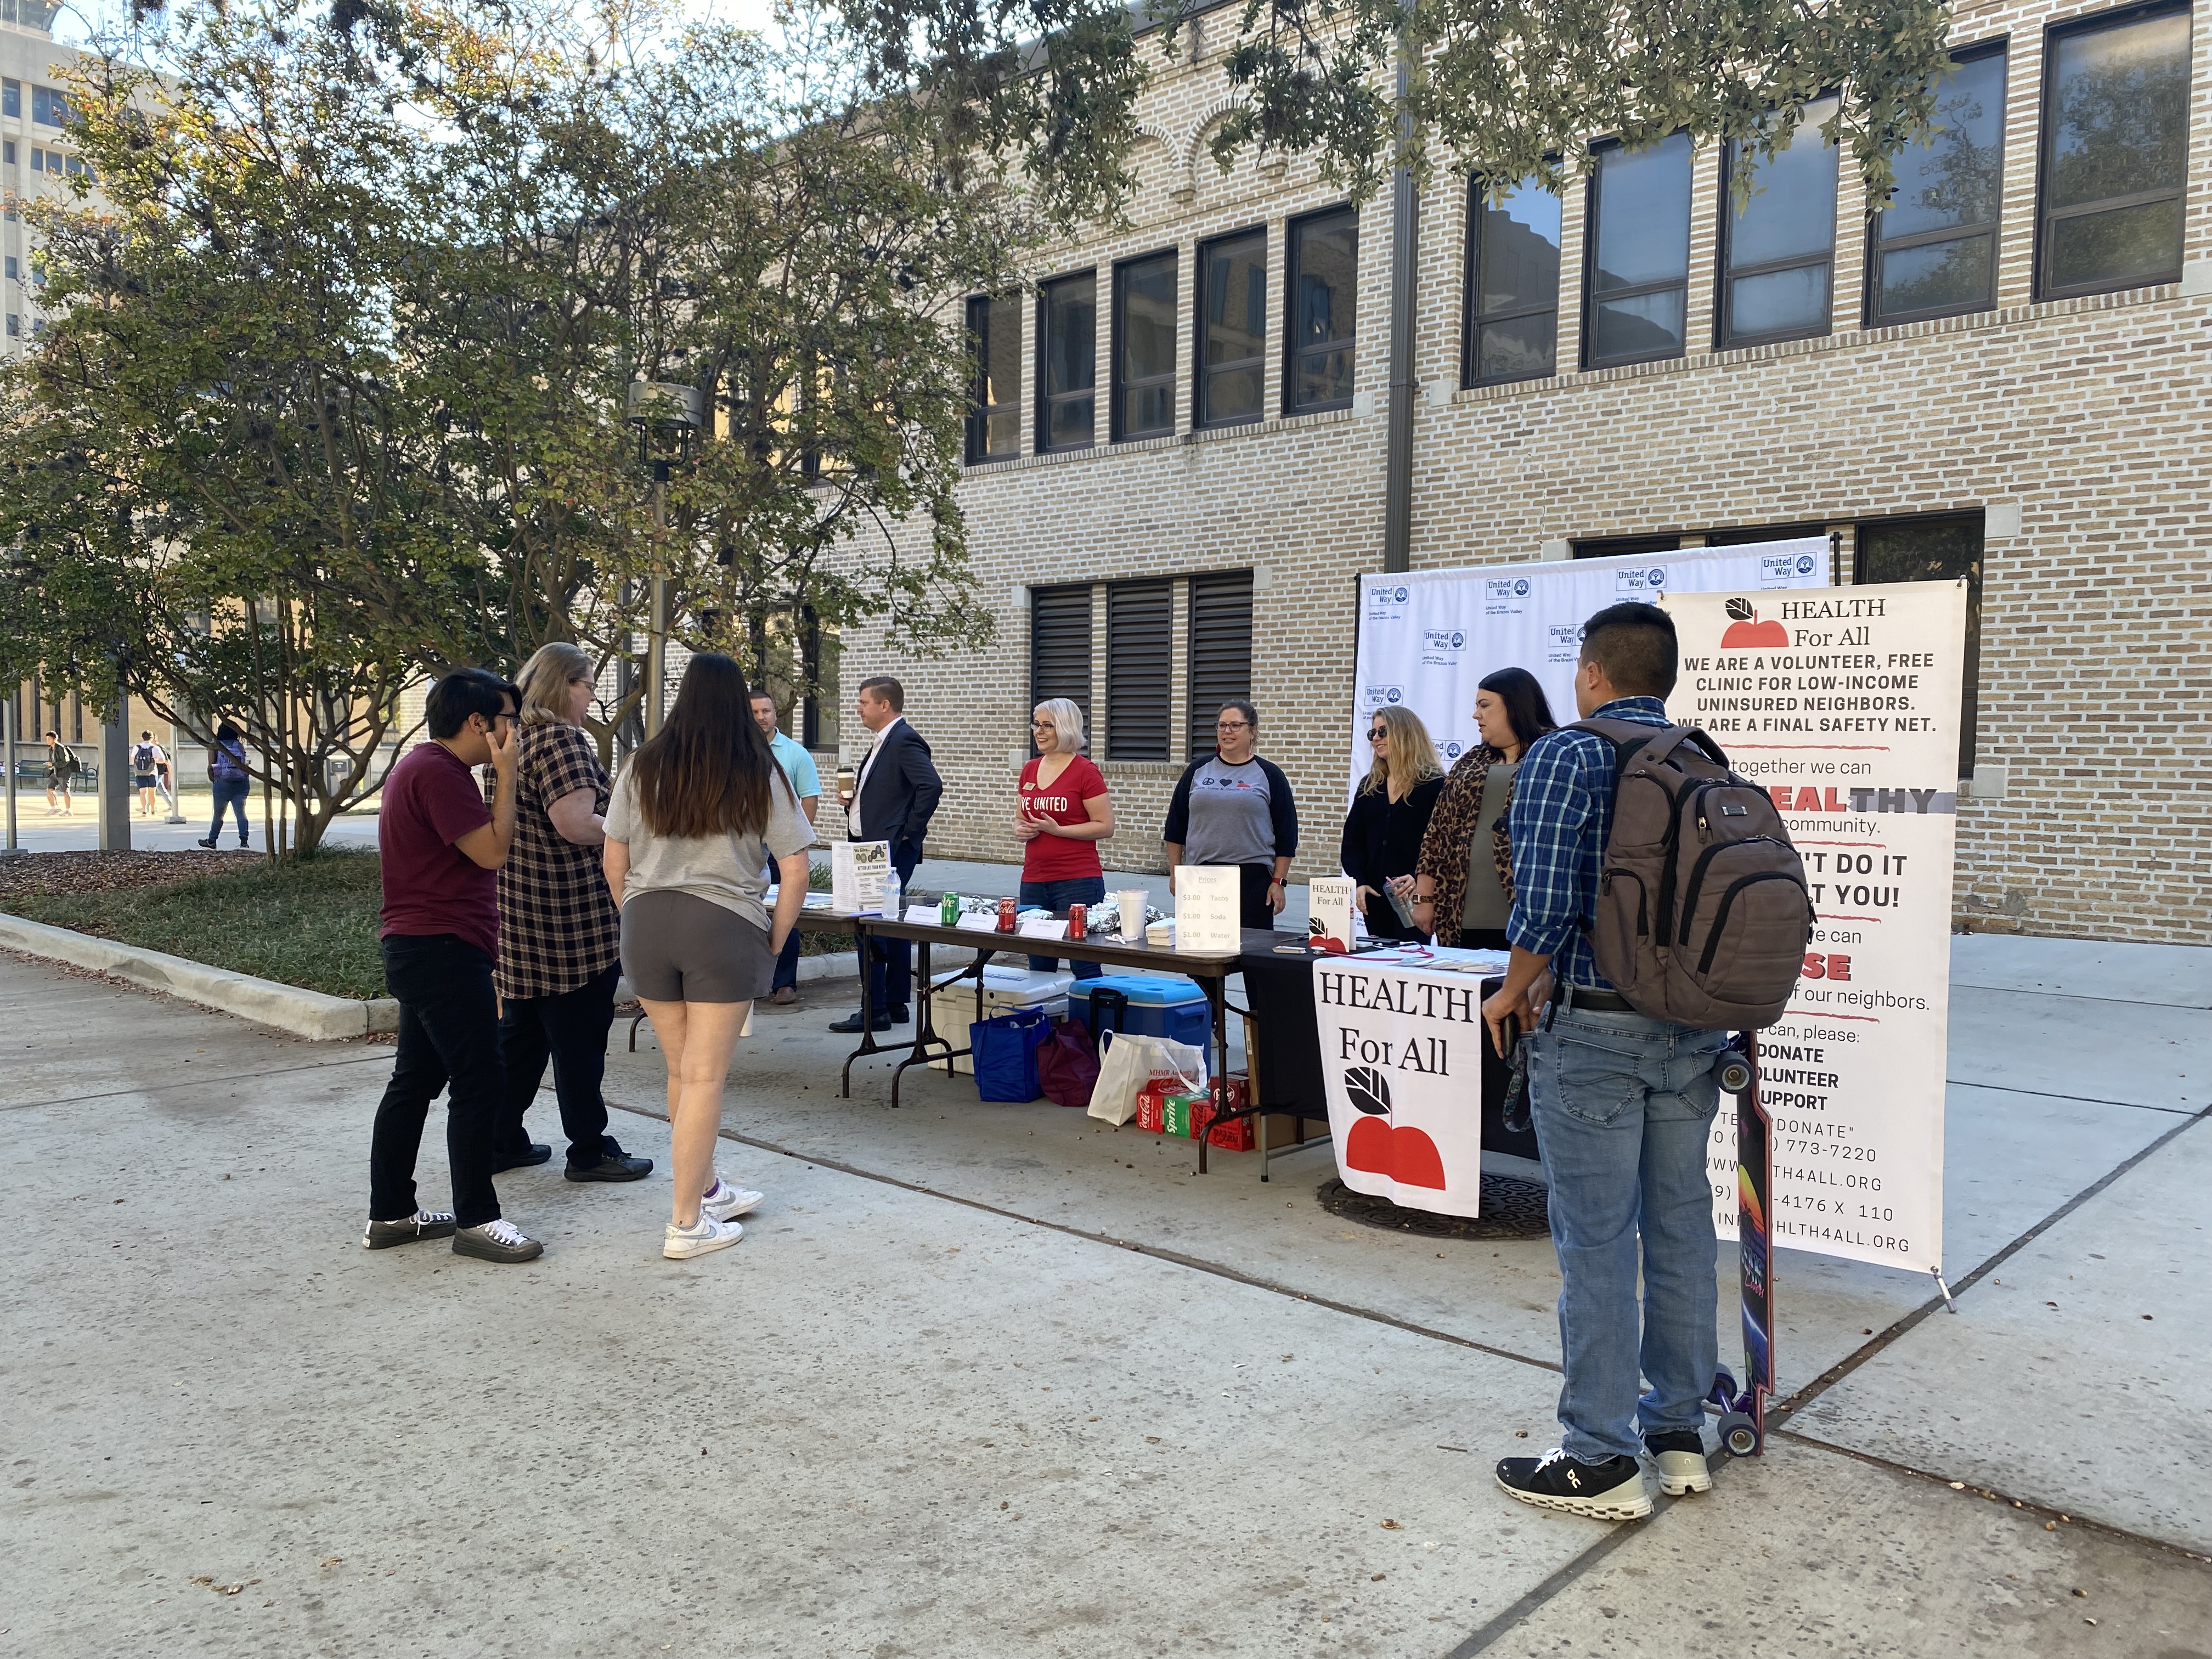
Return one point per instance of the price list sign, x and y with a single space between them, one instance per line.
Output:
1844 705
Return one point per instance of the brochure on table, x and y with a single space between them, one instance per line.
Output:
1330 913
1209 908
857 872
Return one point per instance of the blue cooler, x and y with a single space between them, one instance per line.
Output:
1159 1006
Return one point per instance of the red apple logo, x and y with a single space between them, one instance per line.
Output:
1747 633
1319 936
1376 1146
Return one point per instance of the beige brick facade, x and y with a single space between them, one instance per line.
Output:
2087 417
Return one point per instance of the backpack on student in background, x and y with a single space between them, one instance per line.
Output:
1703 915
226 762
142 756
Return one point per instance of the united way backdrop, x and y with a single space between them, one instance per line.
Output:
1427 637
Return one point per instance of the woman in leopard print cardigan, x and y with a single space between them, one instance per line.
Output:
1512 712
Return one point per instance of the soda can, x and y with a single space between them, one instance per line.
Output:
948 910
1006 908
1077 923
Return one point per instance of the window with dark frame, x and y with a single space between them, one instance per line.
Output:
52 106
1779 248
1068 344
1323 306
994 333
1638 284
1145 347
1221 652
2115 153
1934 246
1060 646
1512 326
1617 547
1139 669
1933 549
1232 330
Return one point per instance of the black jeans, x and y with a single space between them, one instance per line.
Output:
448 1035
1253 881
890 961
570 1028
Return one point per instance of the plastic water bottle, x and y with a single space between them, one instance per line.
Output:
894 909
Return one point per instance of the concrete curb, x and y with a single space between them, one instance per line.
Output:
288 1007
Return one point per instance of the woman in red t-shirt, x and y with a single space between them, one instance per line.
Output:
1063 815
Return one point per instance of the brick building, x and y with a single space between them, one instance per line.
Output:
2003 375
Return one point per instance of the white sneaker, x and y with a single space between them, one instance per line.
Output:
723 1201
680 1244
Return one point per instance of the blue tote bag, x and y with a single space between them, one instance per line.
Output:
1005 1048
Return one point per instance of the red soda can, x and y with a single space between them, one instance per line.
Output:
1077 923
1006 915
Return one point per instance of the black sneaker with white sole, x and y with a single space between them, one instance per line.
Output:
423 1224
497 1241
1611 1489
1679 1455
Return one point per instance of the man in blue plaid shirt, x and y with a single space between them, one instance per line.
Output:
1623 1107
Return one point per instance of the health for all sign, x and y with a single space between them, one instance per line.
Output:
1844 704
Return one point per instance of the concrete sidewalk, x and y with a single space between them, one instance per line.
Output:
995 1380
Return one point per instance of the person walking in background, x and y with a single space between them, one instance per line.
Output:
700 812
1061 816
228 779
1389 815
560 934
798 767
1233 807
1623 1106
165 776
893 801
61 773
441 847
145 758
1463 880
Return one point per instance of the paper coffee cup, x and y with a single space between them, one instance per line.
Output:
1131 902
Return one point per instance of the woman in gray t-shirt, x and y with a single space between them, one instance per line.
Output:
1232 807
699 811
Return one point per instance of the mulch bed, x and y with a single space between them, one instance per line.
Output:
111 873
1510 1209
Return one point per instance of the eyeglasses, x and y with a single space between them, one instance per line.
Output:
1231 726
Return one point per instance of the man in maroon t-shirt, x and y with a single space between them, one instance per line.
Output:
442 846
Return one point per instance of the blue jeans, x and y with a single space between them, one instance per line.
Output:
232 793
1623 1107
1056 896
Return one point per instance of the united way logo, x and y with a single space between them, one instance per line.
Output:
1386 601
1562 641
1640 583
1520 588
1382 696
1805 563
1452 749
1502 596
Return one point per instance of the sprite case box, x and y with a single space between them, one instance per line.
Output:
1186 1115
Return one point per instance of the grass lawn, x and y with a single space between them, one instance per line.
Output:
309 922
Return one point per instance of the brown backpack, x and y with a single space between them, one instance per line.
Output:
1702 912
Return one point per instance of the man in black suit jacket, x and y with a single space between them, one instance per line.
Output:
898 794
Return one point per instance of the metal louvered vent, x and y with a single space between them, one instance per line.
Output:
1060 647
1220 649
1139 669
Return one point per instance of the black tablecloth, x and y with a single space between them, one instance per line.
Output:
1289 1062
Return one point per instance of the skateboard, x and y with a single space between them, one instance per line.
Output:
1742 1427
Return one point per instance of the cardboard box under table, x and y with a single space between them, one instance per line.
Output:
953 1005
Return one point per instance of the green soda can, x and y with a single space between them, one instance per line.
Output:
948 910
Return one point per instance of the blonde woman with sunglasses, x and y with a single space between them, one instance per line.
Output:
1388 817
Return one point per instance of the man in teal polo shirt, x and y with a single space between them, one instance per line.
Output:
805 783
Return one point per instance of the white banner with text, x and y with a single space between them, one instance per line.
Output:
1427 637
1845 706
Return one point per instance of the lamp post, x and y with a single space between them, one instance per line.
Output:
666 414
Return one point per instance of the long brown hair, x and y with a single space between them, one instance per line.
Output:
707 770
1409 756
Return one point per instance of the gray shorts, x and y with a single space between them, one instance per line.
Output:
678 947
